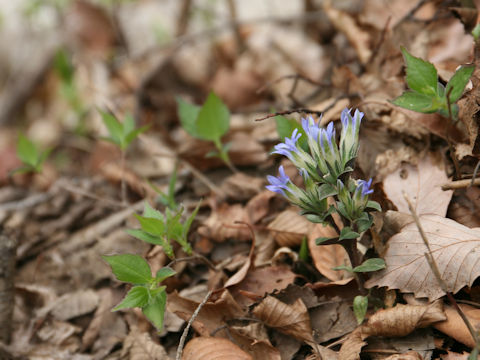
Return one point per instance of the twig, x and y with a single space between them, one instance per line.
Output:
433 265
8 244
475 171
86 194
182 23
190 322
460 184
287 112
450 145
193 257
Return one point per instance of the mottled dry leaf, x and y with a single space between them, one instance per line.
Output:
326 257
220 225
75 304
456 328
259 206
332 320
254 340
292 319
455 249
241 187
409 355
401 320
139 346
56 332
422 183
202 348
211 316
394 322
290 228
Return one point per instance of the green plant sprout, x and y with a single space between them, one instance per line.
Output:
168 199
427 94
157 229
208 122
121 134
325 168
30 156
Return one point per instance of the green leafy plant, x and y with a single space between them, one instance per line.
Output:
146 292
427 94
160 229
31 157
121 134
207 122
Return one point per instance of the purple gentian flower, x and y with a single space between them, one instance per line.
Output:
364 187
289 146
278 184
329 134
311 128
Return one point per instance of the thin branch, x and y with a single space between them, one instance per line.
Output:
198 257
475 171
433 265
288 112
190 322
460 184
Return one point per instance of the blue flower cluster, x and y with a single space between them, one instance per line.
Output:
324 168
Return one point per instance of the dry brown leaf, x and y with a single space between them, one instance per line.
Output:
422 183
253 338
325 257
454 248
291 320
202 348
290 228
331 320
220 225
456 328
242 272
75 304
139 346
259 206
211 316
465 208
394 322
409 355
241 187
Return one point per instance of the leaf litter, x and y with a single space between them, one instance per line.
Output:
274 297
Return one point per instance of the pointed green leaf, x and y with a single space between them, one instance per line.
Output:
188 114
132 135
364 222
213 119
115 128
151 225
343 267
128 125
303 252
130 268
27 152
360 306
416 102
164 273
149 238
348 233
421 75
458 82
322 239
138 296
150 212
155 309
373 205
369 265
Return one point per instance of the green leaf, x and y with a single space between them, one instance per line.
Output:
326 190
476 35
27 152
132 135
348 233
115 128
315 218
303 252
130 268
150 212
188 114
138 296
164 273
360 306
373 205
343 267
364 222
421 75
155 309
285 129
213 119
151 225
142 235
63 66
416 102
369 265
458 82
322 239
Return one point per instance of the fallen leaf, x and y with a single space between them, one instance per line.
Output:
455 327
332 320
220 224
290 228
253 338
454 248
75 304
291 320
352 346
422 183
409 355
242 272
202 348
259 206
326 257
241 187
140 346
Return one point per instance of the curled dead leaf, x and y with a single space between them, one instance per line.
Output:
291 320
202 348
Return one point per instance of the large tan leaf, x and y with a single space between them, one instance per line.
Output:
139 345
292 319
202 348
455 249
422 183
290 228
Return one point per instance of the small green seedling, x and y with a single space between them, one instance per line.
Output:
168 199
121 134
146 293
208 122
31 157
160 229
360 306
427 94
